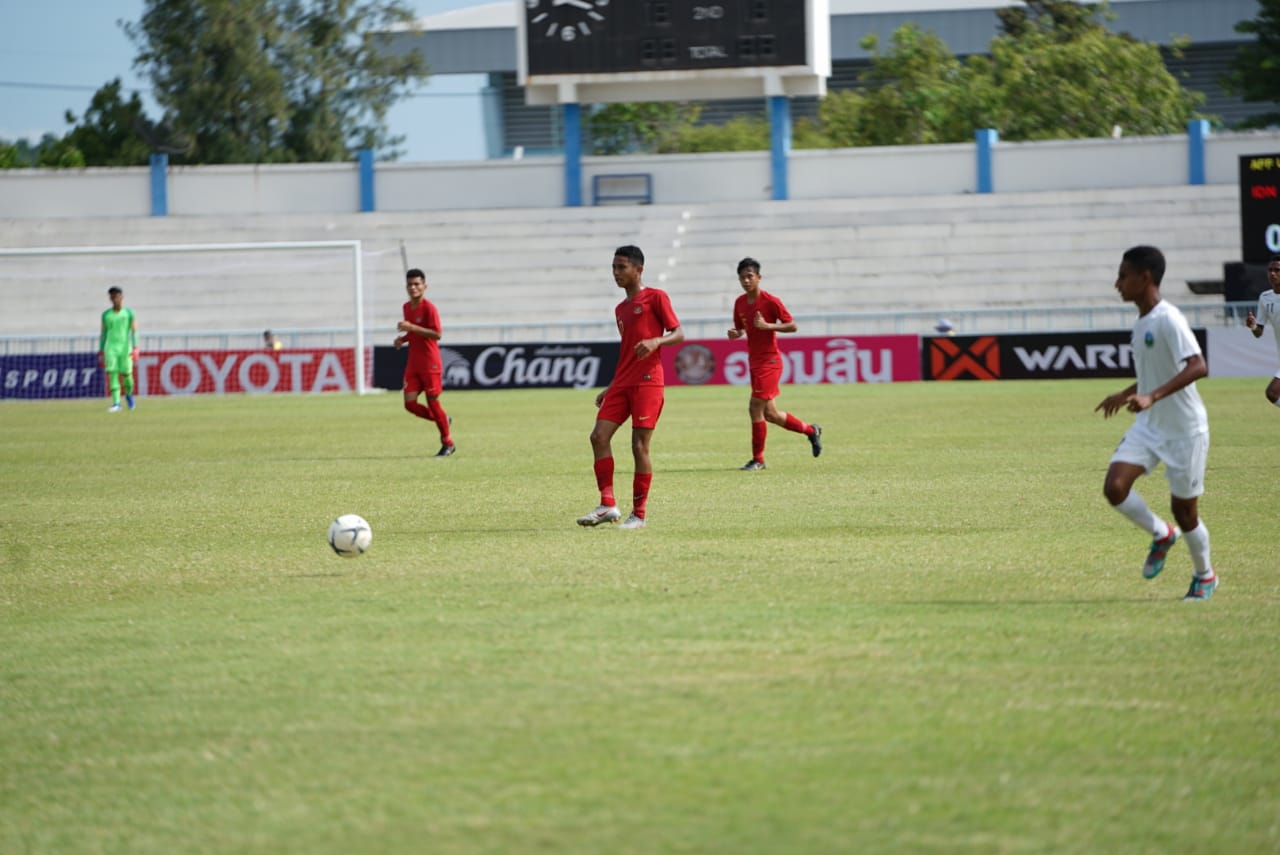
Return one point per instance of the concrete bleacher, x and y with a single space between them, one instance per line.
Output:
941 254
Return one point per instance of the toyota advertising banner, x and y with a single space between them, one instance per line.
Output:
1042 356
183 372
219 372
831 359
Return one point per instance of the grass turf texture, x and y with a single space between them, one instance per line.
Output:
935 637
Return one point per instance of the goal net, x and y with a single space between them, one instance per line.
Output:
203 312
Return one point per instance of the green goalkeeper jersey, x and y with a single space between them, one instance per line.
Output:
117 331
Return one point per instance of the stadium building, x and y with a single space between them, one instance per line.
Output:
482 40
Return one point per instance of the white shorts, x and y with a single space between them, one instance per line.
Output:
1184 459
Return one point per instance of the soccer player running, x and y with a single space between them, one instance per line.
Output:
1269 313
647 323
424 370
118 348
1171 426
760 316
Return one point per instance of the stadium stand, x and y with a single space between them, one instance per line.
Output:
942 253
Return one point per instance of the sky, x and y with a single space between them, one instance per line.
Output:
54 54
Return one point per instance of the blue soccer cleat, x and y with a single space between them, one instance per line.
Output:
1159 550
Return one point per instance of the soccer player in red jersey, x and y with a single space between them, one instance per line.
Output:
647 323
424 371
760 316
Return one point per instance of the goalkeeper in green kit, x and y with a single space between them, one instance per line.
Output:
118 348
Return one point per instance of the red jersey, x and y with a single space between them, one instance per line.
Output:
762 345
424 353
647 315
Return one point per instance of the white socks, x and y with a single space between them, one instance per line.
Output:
1136 509
1198 545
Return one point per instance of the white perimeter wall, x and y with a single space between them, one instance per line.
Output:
196 191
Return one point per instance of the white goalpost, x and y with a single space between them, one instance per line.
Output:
194 300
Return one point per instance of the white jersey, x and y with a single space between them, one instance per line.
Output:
1162 342
1268 314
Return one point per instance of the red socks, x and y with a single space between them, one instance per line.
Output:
418 410
759 430
794 424
441 418
604 480
640 492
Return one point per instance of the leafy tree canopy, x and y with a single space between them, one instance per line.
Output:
245 81
1055 71
1255 71
260 81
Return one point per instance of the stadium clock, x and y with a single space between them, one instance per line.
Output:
565 20
1259 207
620 36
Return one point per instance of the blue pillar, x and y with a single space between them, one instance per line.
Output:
1197 134
986 139
779 144
159 185
572 155
367 200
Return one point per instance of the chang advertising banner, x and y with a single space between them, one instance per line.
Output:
832 359
509 366
1044 356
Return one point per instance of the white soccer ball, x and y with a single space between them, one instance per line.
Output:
350 535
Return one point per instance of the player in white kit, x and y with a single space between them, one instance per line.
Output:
1269 316
1171 426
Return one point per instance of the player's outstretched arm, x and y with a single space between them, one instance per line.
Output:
1113 403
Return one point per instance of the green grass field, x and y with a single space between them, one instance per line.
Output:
934 638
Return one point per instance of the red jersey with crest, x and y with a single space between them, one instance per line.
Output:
762 345
424 353
647 315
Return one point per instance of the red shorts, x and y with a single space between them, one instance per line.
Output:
765 379
642 403
416 381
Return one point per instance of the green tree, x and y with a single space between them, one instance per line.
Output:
1063 74
261 81
340 85
112 132
1055 71
907 97
649 126
1255 70
213 69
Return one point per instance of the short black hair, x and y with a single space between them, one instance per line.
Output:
414 273
749 263
1147 258
631 253
113 290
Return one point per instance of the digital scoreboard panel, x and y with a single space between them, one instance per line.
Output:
1259 207
592 37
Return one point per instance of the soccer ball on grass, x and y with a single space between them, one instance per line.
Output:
350 535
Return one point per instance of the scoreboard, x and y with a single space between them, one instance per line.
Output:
598 51
612 36
1259 207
